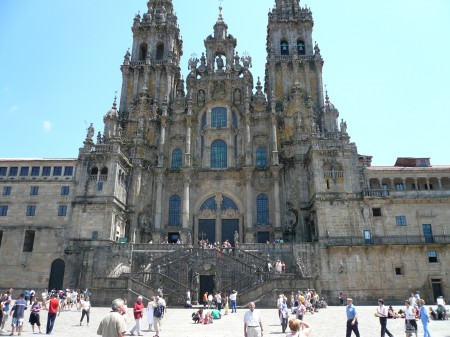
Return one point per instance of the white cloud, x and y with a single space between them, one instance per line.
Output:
47 126
13 109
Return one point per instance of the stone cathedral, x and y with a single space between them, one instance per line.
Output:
265 164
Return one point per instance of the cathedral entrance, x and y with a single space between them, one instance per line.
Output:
57 275
206 285
219 219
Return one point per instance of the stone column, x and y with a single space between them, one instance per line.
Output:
124 91
136 82
218 199
187 151
276 195
249 204
273 118
248 135
186 186
159 196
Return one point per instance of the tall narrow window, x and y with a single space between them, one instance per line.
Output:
177 159
202 145
203 122
34 190
1 237
262 209
65 190
284 46
219 118
261 157
160 51
142 51
301 47
28 243
235 120
235 148
174 210
31 210
6 190
218 154
3 210
62 210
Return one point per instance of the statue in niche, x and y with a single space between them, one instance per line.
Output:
189 239
145 225
219 62
237 95
201 96
343 126
291 216
99 137
236 238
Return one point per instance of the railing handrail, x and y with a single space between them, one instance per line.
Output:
385 240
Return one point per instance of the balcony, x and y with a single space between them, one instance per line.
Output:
385 240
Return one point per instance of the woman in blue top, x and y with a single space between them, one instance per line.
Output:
424 317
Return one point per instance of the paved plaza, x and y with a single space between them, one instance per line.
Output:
177 323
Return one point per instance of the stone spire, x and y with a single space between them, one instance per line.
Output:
220 28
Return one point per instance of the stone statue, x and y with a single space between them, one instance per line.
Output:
343 126
193 64
219 61
236 237
90 131
201 96
189 238
99 137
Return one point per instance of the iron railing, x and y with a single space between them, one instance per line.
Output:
385 240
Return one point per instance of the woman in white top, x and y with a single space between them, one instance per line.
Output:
149 311
410 319
298 328
86 308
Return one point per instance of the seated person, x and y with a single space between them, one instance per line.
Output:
441 312
208 319
433 313
197 317
401 313
392 313
216 314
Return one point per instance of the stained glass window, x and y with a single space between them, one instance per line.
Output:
174 210
218 154
262 209
177 158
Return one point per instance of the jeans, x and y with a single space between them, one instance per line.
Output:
233 306
84 313
50 322
426 332
284 323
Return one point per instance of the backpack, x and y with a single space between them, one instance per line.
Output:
159 311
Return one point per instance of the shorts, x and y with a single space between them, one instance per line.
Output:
5 317
17 322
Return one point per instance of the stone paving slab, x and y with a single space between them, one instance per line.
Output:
177 323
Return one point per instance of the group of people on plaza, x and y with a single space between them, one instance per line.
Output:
54 302
415 309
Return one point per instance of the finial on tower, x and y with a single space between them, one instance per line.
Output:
327 99
115 100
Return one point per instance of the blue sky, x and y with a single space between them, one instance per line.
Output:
386 68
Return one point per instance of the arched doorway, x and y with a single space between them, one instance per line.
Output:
218 220
57 275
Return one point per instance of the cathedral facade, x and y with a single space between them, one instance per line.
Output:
221 156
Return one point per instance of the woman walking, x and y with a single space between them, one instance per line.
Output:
424 317
85 309
35 314
150 309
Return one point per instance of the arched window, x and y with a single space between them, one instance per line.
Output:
143 51
261 157
209 204
94 170
284 46
218 154
103 174
219 118
104 171
160 51
262 209
174 210
202 146
177 159
228 203
301 47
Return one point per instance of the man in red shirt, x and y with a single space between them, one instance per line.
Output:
138 311
53 309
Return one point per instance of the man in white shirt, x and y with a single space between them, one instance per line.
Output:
252 322
382 312
233 298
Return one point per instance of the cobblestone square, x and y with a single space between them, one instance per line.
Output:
177 323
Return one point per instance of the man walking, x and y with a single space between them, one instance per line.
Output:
252 322
53 308
382 312
233 298
113 325
18 314
352 319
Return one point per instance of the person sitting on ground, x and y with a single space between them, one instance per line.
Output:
401 313
433 313
441 312
392 313
298 328
208 319
197 316
215 313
